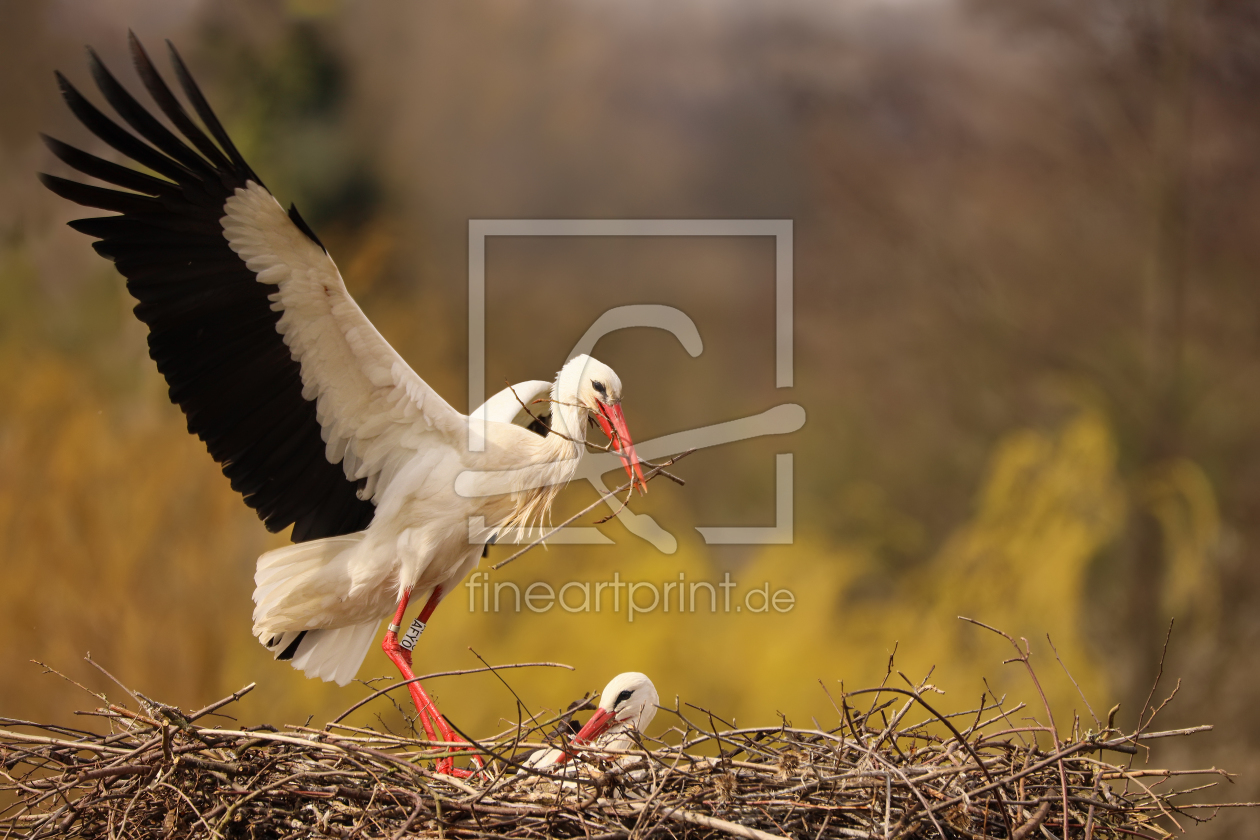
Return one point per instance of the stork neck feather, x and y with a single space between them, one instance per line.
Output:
568 429
568 417
558 453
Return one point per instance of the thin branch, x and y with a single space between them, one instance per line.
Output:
397 685
603 498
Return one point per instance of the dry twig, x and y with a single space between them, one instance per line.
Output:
914 775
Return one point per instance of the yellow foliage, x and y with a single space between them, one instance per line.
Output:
1049 504
120 538
1180 497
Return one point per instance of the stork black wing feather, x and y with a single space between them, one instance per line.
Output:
174 251
154 276
118 137
142 121
99 197
170 105
108 227
233 333
301 532
106 171
222 364
202 107
212 331
245 384
121 227
251 427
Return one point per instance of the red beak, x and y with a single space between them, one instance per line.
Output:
613 422
596 726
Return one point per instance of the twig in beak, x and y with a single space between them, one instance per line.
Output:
551 430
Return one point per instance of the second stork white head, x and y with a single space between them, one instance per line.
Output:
314 417
627 705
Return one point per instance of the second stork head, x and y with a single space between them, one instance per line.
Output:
628 703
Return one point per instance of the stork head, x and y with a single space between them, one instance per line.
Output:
629 702
594 386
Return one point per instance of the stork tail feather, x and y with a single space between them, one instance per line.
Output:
331 655
297 591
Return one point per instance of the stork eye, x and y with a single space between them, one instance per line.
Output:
622 697
599 386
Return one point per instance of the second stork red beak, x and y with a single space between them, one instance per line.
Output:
613 422
596 726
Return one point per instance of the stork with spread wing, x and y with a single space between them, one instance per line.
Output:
314 418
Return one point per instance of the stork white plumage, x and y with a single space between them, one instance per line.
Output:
314 418
627 705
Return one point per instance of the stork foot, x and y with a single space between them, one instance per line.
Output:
447 765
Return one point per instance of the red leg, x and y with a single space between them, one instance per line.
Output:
401 657
400 653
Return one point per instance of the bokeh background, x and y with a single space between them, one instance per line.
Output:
1026 254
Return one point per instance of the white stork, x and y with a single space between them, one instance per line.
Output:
627 704
314 418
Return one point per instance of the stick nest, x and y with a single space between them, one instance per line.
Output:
894 768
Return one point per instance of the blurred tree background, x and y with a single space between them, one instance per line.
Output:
1026 250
